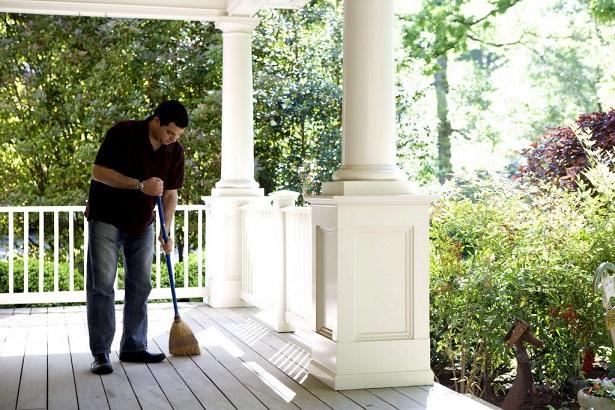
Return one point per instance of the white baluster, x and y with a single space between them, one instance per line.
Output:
185 251
26 244
41 251
200 247
56 251
10 255
71 253
157 250
86 238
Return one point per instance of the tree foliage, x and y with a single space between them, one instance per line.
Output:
298 108
602 10
441 28
66 80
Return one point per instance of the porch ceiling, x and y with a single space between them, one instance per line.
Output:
203 10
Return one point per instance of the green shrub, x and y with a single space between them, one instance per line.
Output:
33 276
63 274
501 250
178 270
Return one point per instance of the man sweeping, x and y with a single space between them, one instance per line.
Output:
137 162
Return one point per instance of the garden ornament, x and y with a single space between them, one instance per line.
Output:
519 334
607 282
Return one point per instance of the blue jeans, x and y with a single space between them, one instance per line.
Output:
105 242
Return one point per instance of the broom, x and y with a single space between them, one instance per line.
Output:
181 340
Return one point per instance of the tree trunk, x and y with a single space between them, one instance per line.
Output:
445 169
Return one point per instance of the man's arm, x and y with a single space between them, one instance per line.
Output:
169 202
152 186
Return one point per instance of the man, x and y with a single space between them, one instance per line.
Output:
137 161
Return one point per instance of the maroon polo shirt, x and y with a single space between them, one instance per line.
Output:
127 150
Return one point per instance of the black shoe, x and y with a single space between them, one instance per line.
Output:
101 364
142 356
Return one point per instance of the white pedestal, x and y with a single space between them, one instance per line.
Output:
371 274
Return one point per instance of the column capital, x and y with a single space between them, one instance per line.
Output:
237 24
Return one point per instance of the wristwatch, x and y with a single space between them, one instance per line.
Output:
140 185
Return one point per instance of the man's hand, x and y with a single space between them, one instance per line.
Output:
168 245
153 186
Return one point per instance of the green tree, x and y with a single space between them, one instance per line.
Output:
298 73
441 29
66 80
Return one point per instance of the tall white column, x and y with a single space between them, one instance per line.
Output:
237 186
368 140
370 235
237 174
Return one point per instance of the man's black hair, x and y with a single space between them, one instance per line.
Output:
172 111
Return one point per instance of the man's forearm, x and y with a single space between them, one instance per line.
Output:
169 201
113 178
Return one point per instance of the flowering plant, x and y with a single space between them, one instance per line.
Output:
604 387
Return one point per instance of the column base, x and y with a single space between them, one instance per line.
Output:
381 364
225 294
274 321
339 188
368 173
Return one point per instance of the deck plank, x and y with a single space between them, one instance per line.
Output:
5 325
11 361
242 365
287 357
395 398
90 390
259 352
174 388
146 388
366 399
61 382
198 382
440 396
33 385
226 381
118 390
415 393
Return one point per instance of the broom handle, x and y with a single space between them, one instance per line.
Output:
168 256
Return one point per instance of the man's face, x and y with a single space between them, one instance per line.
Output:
168 134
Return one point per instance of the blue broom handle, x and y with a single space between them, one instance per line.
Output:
168 256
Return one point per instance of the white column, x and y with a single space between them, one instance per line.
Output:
237 176
237 186
368 140
370 235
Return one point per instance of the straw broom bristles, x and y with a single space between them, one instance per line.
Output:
181 340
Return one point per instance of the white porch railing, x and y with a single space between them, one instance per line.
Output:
298 265
55 272
277 261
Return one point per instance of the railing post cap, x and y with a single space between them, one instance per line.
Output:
284 198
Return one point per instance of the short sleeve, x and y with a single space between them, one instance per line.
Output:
175 176
111 148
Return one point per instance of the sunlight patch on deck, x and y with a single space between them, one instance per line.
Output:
213 337
277 386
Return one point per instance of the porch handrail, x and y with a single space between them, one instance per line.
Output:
70 243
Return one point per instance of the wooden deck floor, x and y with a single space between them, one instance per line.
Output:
44 363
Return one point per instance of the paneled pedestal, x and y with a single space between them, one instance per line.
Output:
371 281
